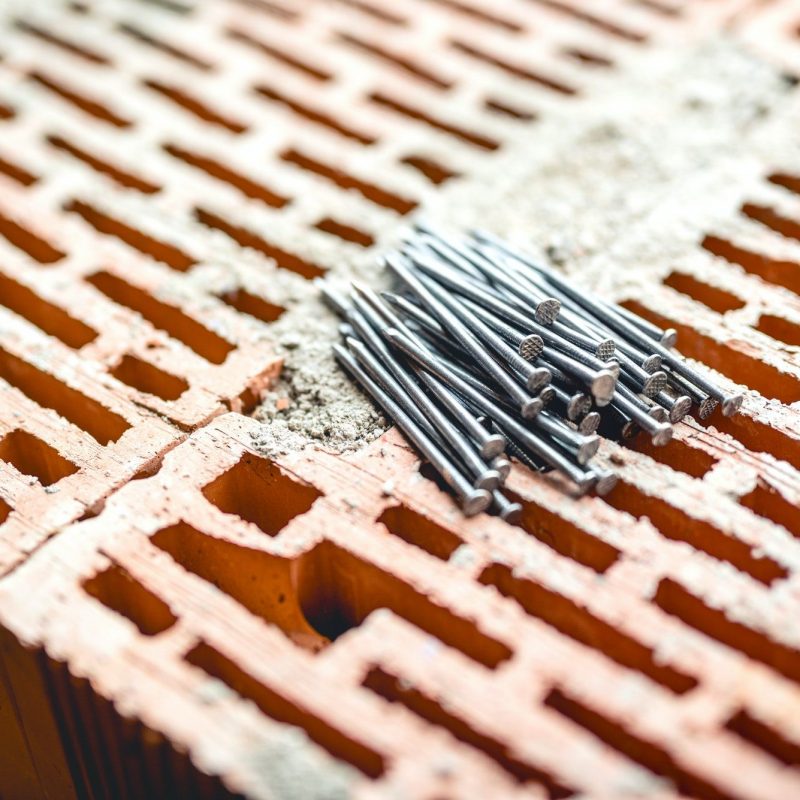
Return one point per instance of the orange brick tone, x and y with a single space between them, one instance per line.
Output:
181 616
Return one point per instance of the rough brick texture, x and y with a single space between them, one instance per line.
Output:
184 617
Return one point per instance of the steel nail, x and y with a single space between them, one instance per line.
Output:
473 501
509 511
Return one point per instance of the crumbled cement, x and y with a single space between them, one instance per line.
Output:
290 768
632 175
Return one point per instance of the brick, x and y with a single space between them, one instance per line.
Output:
298 574
182 615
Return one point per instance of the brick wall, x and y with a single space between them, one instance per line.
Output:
184 616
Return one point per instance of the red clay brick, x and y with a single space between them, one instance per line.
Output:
166 622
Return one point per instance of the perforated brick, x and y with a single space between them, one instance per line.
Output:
183 616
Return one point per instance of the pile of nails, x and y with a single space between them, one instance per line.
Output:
485 354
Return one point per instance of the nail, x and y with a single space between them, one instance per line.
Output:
575 406
602 349
529 346
469 260
706 404
479 401
545 308
489 445
678 407
441 431
413 311
584 447
547 395
730 403
447 312
333 298
660 432
606 481
502 465
406 392
667 337
473 501
476 293
509 511
590 423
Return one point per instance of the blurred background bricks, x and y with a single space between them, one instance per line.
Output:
183 615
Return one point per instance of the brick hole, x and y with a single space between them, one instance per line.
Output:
673 599
773 220
780 329
679 455
738 366
765 737
44 315
343 180
118 590
416 114
27 241
419 531
49 392
259 491
5 510
246 238
564 536
710 296
247 186
481 14
517 70
161 251
17 173
393 690
581 625
312 114
170 319
496 106
593 20
123 178
338 591
259 581
790 182
148 378
406 65
346 232
78 7
659 8
770 504
6 112
252 305
92 107
757 437
673 523
281 709
280 55
267 7
194 106
432 170
44 35
586 58
31 456
148 39
648 754
149 470
170 5
782 273
373 11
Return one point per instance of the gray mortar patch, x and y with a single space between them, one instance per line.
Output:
289 767
634 175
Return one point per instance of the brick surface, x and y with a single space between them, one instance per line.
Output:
182 616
